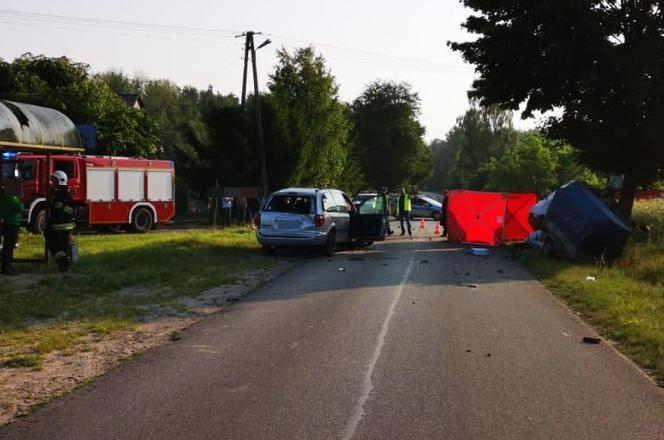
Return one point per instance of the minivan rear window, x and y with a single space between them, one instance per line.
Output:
291 203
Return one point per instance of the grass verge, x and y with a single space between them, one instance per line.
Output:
119 279
626 302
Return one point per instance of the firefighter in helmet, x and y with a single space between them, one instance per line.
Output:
60 221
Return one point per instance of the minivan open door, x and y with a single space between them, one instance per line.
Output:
370 219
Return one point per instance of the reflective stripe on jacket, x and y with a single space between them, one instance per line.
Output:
63 227
61 210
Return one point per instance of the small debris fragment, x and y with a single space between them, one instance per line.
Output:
472 286
468 351
424 262
480 252
384 264
499 270
467 274
488 355
341 269
565 334
590 278
176 336
591 340
413 302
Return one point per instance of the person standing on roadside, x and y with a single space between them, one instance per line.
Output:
226 208
60 221
11 211
386 196
403 211
241 210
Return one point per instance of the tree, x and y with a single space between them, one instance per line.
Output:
489 154
443 154
120 83
388 136
529 166
599 61
480 134
310 119
66 86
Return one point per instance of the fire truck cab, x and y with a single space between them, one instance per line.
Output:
108 191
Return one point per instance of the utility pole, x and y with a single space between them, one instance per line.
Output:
244 73
249 47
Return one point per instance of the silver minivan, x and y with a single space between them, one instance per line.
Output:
315 217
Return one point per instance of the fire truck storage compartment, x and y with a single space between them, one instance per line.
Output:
101 185
131 193
131 185
160 185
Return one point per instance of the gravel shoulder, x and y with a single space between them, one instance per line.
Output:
96 354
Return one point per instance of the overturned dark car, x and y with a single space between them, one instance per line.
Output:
577 222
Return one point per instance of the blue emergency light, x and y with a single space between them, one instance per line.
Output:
8 155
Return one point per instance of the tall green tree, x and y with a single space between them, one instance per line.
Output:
599 61
480 134
310 118
388 135
120 83
443 154
67 86
528 166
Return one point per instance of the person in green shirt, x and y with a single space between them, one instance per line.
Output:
11 210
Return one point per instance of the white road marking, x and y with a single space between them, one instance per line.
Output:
358 411
203 350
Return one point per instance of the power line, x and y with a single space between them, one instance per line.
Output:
97 25
116 24
128 34
374 56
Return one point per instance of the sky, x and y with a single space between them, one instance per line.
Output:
193 42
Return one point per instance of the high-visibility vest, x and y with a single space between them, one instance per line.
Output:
405 200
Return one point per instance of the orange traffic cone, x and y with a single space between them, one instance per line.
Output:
423 225
437 230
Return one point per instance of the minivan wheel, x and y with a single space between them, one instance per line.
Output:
547 247
330 244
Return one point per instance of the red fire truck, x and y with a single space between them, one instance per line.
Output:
109 191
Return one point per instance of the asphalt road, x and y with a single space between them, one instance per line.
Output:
391 347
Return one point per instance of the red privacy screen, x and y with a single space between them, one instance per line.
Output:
488 218
518 207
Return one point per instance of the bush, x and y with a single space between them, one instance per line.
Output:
648 215
643 259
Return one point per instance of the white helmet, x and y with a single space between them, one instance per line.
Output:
61 177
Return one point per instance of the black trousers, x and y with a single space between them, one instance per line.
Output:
58 245
405 215
9 239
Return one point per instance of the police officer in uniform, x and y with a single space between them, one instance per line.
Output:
60 221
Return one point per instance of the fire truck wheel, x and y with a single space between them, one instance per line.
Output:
142 220
38 224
